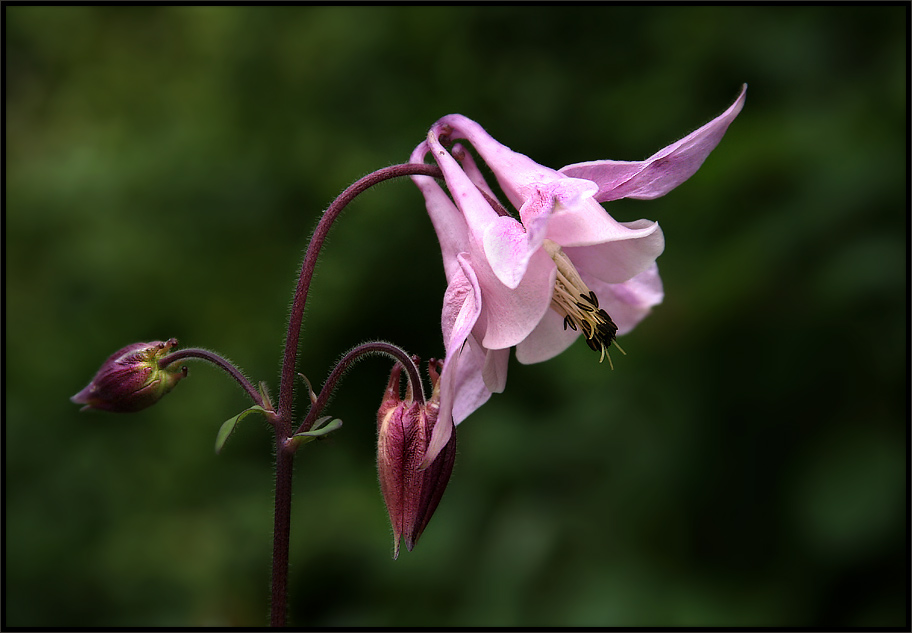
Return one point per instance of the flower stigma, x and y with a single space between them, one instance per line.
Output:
579 305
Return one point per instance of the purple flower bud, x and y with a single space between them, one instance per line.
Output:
131 379
404 429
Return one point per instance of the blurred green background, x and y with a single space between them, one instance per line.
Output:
743 465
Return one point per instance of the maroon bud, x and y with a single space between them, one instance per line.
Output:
131 379
404 429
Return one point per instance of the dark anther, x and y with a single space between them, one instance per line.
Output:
590 298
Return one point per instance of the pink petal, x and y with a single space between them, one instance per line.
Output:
506 245
475 209
461 308
444 427
470 390
494 371
587 224
509 244
515 172
663 171
572 217
509 315
619 260
471 169
546 341
462 390
449 223
461 305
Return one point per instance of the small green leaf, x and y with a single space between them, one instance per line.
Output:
320 422
299 439
317 432
228 426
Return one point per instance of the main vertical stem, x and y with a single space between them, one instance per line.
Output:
290 354
282 531
283 420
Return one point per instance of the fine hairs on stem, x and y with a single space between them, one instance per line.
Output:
373 348
286 395
282 423
219 361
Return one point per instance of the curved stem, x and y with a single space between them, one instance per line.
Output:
290 355
218 361
365 349
282 421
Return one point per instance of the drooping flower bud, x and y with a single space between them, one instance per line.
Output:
131 379
404 428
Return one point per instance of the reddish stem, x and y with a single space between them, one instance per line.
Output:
281 534
218 361
286 389
365 349
285 457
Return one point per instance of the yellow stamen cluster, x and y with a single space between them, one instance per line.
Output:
579 306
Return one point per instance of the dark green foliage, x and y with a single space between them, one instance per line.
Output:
743 465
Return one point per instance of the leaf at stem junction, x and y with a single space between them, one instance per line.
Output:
228 426
318 431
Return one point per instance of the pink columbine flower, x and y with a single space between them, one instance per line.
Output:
563 268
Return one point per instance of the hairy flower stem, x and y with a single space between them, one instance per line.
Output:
282 425
366 349
286 389
218 361
281 534
285 462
